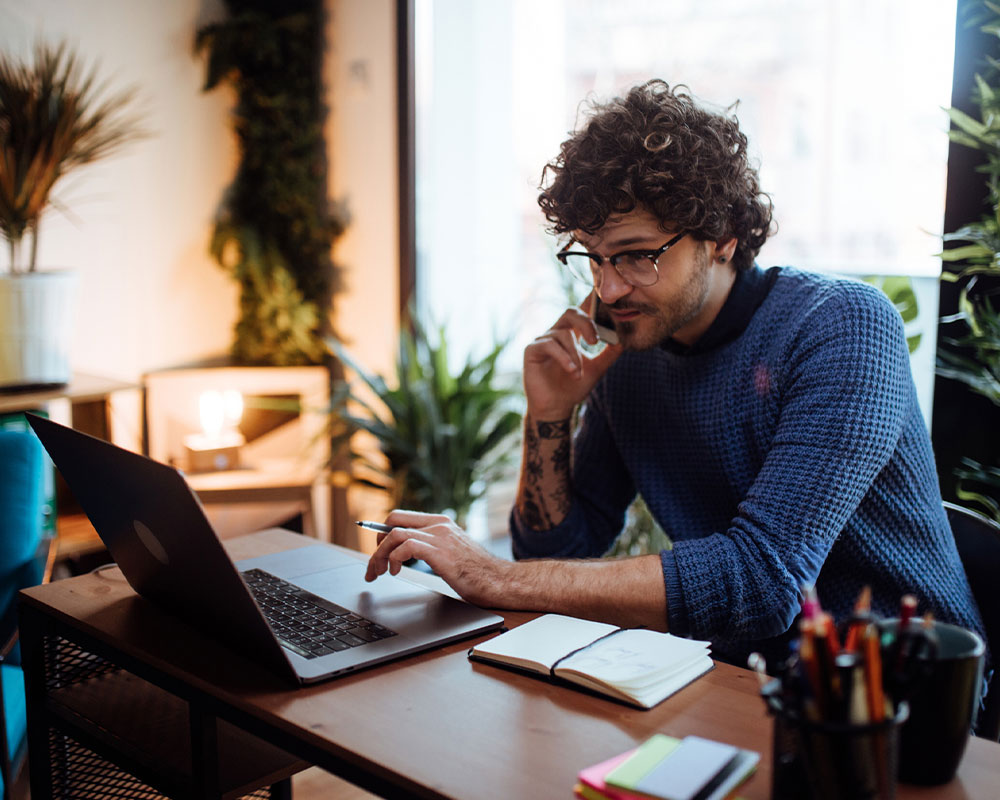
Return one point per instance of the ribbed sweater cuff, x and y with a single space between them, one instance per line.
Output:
677 617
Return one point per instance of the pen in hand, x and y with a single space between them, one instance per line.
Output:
374 526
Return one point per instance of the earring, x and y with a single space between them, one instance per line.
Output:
723 259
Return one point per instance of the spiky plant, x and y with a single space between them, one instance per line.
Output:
55 116
445 434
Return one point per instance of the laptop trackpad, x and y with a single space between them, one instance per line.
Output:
291 564
397 604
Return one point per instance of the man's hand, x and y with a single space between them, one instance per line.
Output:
475 574
557 375
627 591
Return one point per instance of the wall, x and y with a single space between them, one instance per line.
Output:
150 295
139 223
362 138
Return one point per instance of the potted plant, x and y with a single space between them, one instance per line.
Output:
972 353
54 118
445 434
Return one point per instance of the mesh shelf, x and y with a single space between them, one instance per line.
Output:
81 774
147 729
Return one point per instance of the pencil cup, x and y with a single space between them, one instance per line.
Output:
832 760
942 685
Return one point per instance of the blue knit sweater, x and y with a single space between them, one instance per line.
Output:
795 453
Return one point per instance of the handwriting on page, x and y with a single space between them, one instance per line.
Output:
613 663
634 654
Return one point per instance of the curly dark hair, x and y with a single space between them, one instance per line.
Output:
656 148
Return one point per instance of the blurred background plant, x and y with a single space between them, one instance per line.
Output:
55 117
972 354
899 290
640 534
445 433
276 226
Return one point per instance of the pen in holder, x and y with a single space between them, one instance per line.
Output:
831 760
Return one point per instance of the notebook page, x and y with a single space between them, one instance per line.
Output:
544 640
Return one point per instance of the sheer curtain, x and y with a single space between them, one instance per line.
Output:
841 99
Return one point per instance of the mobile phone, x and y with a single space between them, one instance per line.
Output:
602 321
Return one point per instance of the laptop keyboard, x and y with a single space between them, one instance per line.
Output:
308 624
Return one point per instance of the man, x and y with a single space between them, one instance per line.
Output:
767 418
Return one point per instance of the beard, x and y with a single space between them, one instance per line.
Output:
658 323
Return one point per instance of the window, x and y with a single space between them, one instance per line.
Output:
842 103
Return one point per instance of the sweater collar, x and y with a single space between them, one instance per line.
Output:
749 290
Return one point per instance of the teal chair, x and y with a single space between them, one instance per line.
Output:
23 562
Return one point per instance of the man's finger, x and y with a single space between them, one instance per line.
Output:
557 346
411 548
405 518
380 559
603 360
572 317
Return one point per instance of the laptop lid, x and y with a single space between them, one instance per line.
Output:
156 530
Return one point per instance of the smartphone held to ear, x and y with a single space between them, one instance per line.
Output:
602 321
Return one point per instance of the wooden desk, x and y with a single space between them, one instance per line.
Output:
433 725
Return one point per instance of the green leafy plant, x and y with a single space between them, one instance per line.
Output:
899 290
973 357
640 534
445 434
980 370
55 116
276 225
975 472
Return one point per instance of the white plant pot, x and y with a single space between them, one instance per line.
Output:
36 326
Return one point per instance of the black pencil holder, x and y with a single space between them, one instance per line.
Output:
832 760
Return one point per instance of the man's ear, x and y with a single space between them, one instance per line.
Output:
724 250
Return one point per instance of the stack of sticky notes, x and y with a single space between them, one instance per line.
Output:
666 768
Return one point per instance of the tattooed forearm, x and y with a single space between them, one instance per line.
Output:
554 430
543 498
533 464
560 466
532 512
560 456
534 516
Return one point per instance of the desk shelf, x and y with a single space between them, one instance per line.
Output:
114 734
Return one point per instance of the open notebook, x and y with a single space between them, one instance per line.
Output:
634 665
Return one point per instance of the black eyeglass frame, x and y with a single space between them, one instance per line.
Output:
652 255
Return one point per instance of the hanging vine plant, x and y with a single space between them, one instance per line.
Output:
276 225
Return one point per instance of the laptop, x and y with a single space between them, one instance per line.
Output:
306 613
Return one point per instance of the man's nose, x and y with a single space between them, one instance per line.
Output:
611 287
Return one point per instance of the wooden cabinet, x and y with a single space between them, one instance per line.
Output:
283 461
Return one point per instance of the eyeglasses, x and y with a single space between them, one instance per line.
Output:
636 267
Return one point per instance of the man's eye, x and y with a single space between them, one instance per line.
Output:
636 255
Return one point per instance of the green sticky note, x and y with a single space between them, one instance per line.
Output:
645 758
